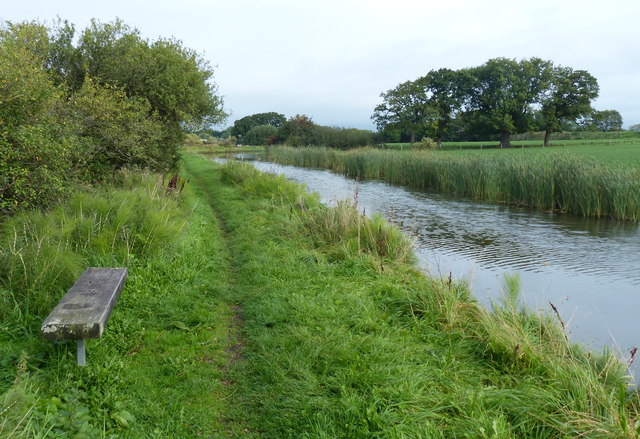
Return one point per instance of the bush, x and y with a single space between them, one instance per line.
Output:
425 143
259 135
35 146
193 139
117 131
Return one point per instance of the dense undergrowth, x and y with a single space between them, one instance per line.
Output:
552 181
260 312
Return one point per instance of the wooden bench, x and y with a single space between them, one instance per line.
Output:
84 311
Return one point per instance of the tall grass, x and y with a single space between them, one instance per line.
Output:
554 181
42 253
338 345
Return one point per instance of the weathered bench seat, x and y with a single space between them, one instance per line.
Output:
84 311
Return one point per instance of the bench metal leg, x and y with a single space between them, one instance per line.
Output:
82 361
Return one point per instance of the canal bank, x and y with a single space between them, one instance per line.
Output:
585 267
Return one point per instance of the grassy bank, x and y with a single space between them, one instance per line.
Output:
160 370
547 180
269 315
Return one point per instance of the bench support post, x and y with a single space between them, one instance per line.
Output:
82 361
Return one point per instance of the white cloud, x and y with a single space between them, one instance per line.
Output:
332 58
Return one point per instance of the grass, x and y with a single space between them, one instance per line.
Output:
341 341
160 368
548 180
270 315
620 151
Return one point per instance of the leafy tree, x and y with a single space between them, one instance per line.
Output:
568 98
175 80
298 130
444 93
635 127
405 108
607 120
244 125
502 91
82 110
258 135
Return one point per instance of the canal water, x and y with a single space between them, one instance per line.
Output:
589 269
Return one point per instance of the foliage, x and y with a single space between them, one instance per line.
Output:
78 110
605 121
297 130
499 98
192 139
173 79
569 98
502 91
35 146
425 143
406 107
258 135
341 138
116 131
444 89
242 126
635 127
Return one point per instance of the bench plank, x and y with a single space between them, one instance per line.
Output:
83 312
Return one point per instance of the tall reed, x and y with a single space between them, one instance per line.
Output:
553 181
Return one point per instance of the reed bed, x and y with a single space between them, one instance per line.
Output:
555 181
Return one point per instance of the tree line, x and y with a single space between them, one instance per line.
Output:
300 130
500 98
75 107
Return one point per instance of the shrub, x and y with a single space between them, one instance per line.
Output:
425 143
35 146
258 135
117 131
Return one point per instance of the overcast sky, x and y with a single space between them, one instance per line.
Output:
331 59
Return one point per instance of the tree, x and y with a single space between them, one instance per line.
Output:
258 135
502 92
405 107
244 125
567 99
635 127
444 93
607 120
175 80
298 130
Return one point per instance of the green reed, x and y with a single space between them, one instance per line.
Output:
555 181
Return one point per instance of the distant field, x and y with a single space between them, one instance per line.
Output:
616 151
620 154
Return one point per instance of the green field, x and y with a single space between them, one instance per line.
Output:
253 311
624 151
